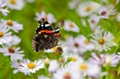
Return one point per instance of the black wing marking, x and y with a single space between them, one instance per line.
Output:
43 25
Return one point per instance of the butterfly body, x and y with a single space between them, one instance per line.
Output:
45 37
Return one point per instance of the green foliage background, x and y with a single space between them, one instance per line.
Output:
60 9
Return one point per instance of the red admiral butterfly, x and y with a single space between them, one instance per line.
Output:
45 37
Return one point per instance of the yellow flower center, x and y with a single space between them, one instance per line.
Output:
71 25
108 60
1 34
11 49
83 66
115 40
10 22
61 60
101 41
47 61
88 8
67 75
74 59
54 48
86 41
31 65
13 1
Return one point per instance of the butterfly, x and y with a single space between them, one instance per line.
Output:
45 37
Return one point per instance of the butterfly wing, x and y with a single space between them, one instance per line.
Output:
45 37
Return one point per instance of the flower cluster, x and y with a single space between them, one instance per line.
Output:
88 48
9 41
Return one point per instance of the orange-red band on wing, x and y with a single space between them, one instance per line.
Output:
45 31
49 31
56 34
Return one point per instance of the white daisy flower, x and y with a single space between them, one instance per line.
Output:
70 26
49 17
99 60
88 46
15 40
103 41
112 59
43 77
87 8
12 25
15 4
87 68
27 67
2 5
73 4
53 66
5 36
13 52
72 58
79 44
105 12
93 20
14 64
103 60
66 72
96 30
73 44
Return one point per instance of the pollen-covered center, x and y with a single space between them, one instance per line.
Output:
103 13
101 41
13 1
54 48
11 49
71 25
31 65
61 60
67 75
10 22
76 44
88 8
73 59
92 21
59 50
1 34
83 67
86 41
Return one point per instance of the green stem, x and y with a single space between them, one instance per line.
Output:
32 77
108 70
